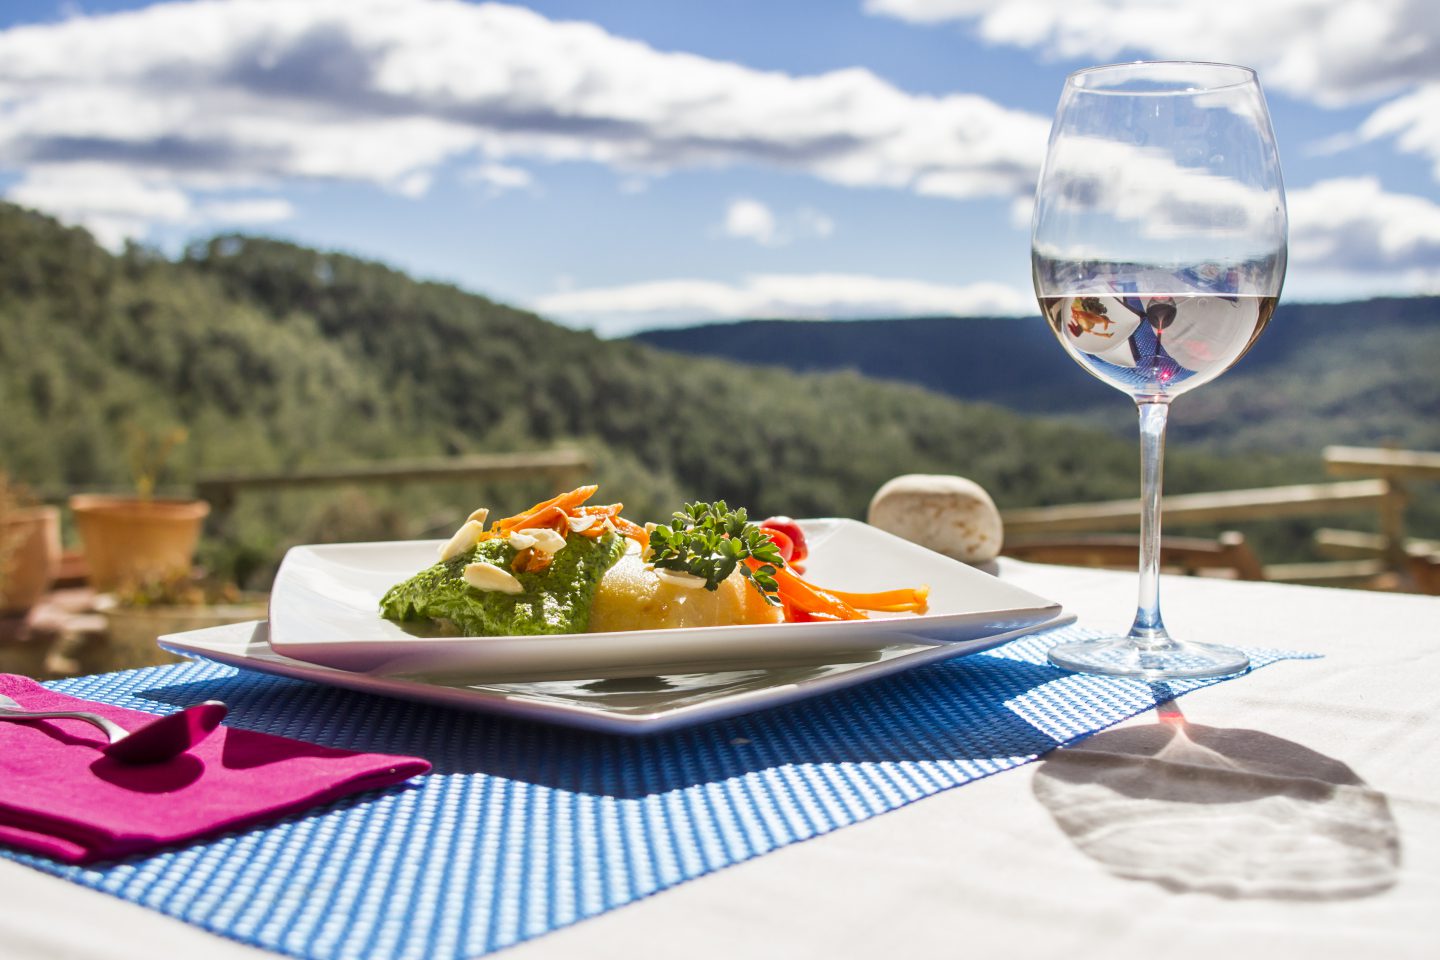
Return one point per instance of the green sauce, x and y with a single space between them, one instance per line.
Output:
557 600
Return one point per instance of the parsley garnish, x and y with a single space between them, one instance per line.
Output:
710 540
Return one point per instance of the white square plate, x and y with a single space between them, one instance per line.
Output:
324 608
628 705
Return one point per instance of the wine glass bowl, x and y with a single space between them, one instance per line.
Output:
1158 252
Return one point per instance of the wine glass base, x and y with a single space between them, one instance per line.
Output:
1170 660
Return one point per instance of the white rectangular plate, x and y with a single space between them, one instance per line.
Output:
324 608
628 705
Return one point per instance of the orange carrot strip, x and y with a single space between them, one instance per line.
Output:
908 600
565 502
632 530
549 517
810 599
800 596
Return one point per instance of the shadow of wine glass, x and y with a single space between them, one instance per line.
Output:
1229 812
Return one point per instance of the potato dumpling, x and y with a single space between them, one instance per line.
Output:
631 597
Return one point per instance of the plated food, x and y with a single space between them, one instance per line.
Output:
565 566
325 608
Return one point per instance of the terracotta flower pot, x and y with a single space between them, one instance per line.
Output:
129 541
34 557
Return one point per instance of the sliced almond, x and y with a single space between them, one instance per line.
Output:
521 539
480 516
581 524
543 538
487 576
679 578
463 539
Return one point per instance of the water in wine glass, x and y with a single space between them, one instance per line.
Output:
1153 333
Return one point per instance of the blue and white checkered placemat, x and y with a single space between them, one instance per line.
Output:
523 828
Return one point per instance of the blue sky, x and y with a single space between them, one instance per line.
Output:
633 163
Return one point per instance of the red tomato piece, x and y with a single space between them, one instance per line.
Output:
792 530
781 540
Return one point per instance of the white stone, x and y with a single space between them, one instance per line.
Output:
950 515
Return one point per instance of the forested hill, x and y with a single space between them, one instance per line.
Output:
276 356
1321 373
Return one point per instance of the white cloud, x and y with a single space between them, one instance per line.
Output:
226 94
114 205
617 311
1352 225
1413 120
502 177
748 219
118 205
413 185
813 223
499 178
1331 51
257 210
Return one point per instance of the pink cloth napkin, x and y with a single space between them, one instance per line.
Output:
59 796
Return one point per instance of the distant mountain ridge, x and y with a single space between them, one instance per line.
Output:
1361 372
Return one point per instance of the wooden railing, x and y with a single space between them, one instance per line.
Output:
1264 503
1394 549
1358 557
563 468
1382 461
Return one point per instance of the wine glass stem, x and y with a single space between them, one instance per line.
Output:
1149 629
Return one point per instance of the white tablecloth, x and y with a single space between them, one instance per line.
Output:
1291 813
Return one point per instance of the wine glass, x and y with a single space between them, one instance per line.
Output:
1158 251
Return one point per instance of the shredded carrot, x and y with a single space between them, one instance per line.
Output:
551 517
556 513
565 502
